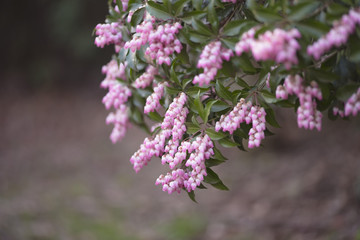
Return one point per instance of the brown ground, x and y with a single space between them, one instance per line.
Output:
61 178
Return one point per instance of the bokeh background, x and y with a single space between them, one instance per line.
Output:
61 178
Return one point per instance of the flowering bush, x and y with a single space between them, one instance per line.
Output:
210 72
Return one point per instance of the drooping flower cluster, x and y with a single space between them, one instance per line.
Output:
170 127
124 4
163 43
245 112
117 96
153 101
352 105
211 60
201 149
146 78
162 40
278 45
308 116
191 177
109 33
120 121
337 36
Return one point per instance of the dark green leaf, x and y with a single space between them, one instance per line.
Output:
157 10
211 177
199 106
137 17
321 75
220 186
208 108
312 28
213 162
270 118
201 27
227 142
218 155
219 106
266 15
212 16
197 4
193 91
173 75
233 28
178 6
215 135
171 90
242 83
155 116
192 196
222 91
191 128
269 97
345 92
187 17
302 10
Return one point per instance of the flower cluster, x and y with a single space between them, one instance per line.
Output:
121 122
153 101
211 60
146 78
117 96
352 105
109 33
278 45
171 126
308 116
163 43
141 36
192 176
245 112
337 36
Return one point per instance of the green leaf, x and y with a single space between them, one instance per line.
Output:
119 4
211 177
219 106
201 28
270 118
222 91
157 10
197 4
233 28
312 28
178 6
230 42
220 186
227 142
183 56
344 93
269 97
212 16
191 128
187 17
208 108
354 49
137 17
197 37
132 60
171 90
218 155
193 91
266 15
199 106
302 10
243 62
192 196
137 116
173 75
322 75
242 83
155 116
215 135
213 162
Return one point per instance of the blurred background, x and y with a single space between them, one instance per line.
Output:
61 178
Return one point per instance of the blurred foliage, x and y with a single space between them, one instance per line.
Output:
50 42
